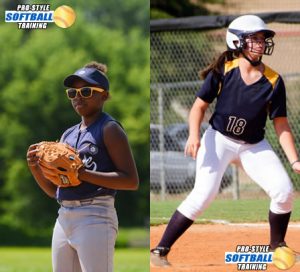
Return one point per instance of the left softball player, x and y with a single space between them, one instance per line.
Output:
85 231
247 91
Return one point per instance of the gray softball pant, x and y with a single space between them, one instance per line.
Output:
84 236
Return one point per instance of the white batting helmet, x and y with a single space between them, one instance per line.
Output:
244 26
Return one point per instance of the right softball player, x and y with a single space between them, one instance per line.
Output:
247 91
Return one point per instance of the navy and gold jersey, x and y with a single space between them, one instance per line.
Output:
241 110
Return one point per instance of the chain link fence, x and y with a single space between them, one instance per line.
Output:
176 58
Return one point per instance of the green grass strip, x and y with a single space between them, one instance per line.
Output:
18 259
236 211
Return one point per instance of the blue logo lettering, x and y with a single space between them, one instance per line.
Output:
8 17
228 258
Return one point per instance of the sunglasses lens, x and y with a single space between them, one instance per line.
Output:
86 92
71 93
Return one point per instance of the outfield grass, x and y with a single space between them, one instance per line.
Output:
133 237
39 260
132 260
254 210
25 259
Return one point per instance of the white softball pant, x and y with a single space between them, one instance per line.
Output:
258 160
84 236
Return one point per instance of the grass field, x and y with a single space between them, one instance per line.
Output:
254 210
39 260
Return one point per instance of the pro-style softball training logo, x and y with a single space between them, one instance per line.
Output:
38 16
250 257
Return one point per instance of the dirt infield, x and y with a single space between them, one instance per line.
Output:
202 247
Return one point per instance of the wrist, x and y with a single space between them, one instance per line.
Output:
292 163
81 172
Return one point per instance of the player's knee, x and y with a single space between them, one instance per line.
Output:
282 202
283 196
194 205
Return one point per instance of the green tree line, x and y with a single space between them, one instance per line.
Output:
34 107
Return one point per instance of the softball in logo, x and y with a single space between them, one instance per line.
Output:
284 258
64 16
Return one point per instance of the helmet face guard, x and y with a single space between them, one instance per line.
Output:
269 46
249 44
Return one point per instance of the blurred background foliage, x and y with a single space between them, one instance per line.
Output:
163 9
34 107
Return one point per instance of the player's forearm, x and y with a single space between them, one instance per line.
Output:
286 139
196 117
112 180
48 187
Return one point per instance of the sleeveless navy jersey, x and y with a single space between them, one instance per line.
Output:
90 144
241 110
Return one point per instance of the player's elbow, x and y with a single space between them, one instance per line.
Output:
134 183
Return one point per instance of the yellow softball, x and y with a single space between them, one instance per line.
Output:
284 258
64 16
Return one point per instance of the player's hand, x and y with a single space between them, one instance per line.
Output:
32 159
296 167
191 147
